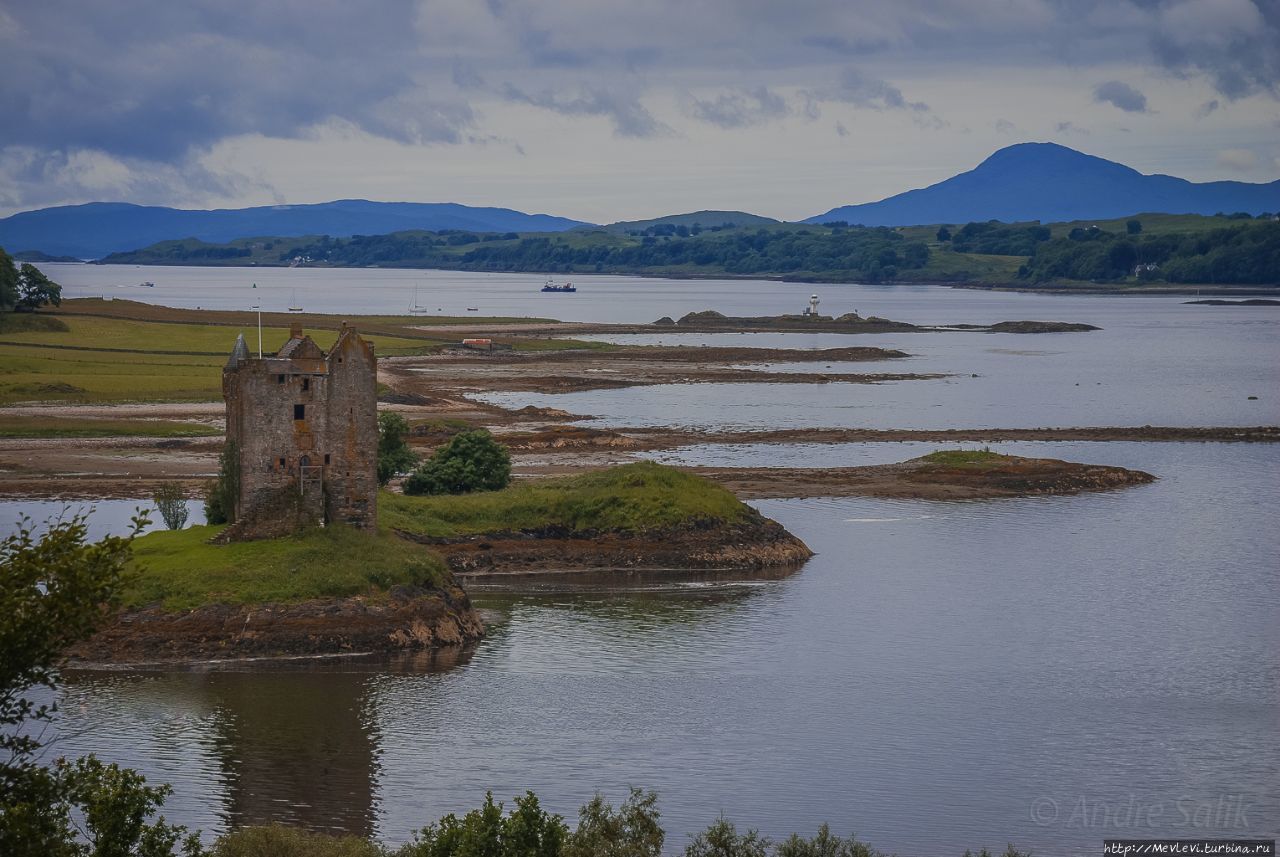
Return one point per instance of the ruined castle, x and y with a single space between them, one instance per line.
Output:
302 426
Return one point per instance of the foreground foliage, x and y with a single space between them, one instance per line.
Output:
632 830
56 590
634 497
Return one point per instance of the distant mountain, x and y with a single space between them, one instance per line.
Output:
98 228
706 219
1051 183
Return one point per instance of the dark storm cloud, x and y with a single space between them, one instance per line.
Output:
1121 95
160 82
152 79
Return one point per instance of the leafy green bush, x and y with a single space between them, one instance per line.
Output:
55 591
527 831
632 830
220 499
824 845
394 455
471 461
722 839
172 504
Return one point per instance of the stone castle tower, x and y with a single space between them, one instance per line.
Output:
303 425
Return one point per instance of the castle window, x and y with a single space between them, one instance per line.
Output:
279 379
299 412
326 458
306 384
282 463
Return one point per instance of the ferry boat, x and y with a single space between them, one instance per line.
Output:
549 286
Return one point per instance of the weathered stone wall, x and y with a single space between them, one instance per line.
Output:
305 423
352 484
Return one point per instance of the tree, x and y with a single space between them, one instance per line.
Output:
1133 227
220 499
527 831
172 504
394 455
470 461
56 590
632 830
944 234
823 845
36 290
8 282
722 839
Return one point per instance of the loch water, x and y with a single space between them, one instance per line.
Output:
1048 671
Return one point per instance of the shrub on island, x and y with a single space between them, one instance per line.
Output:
470 461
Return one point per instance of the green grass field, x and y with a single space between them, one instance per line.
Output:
970 458
116 351
633 497
181 570
15 426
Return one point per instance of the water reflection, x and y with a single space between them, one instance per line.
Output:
293 742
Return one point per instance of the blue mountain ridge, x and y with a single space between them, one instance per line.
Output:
95 229
1052 183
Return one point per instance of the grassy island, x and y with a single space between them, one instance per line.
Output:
633 498
182 570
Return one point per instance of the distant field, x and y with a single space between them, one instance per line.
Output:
36 427
118 351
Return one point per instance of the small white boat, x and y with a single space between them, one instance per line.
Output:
416 308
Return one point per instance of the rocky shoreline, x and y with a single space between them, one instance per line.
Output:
405 619
754 544
927 478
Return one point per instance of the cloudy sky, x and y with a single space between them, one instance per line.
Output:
604 110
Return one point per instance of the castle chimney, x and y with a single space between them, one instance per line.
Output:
295 330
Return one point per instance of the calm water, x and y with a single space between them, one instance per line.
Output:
601 298
1176 370
940 676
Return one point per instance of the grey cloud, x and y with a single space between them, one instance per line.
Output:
1070 128
741 109
841 131
1207 108
1234 43
1121 95
142 80
629 116
862 90
34 177
1004 126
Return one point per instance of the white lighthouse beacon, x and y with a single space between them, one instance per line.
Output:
813 306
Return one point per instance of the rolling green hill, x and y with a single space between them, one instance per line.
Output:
702 220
